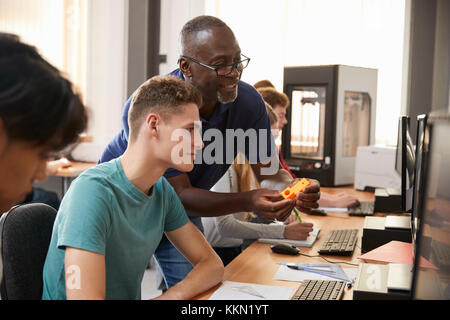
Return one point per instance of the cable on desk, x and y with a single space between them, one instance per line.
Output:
362 251
329 261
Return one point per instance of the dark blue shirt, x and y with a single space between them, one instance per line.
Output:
247 113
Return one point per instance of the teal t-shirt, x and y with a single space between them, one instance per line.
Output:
103 212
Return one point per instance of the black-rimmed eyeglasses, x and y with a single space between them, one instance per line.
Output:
224 70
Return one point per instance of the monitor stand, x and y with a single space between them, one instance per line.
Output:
383 282
378 231
397 222
399 277
388 200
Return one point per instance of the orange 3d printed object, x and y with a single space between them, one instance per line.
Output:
291 192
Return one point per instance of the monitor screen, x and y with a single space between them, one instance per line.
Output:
405 163
433 236
398 157
418 176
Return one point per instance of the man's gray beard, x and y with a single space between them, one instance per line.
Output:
227 99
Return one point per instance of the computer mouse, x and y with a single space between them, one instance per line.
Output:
285 248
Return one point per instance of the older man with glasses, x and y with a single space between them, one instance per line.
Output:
212 61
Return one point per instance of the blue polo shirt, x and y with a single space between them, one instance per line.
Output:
246 116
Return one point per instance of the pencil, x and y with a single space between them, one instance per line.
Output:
298 216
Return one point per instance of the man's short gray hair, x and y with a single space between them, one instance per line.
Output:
195 25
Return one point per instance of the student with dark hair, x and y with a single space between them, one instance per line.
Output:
212 61
39 114
115 214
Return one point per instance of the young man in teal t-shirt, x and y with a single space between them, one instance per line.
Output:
114 215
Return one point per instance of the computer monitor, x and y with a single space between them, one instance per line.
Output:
433 234
421 137
405 163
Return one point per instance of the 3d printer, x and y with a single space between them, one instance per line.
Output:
332 112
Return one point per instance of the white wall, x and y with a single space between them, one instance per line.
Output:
174 14
106 76
39 23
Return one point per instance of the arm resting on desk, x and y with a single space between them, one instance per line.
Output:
54 165
208 267
229 226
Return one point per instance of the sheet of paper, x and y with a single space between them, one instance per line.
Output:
230 290
298 243
287 274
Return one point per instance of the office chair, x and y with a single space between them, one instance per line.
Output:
25 233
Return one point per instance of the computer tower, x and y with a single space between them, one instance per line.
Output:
332 112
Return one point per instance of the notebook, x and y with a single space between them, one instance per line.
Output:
298 243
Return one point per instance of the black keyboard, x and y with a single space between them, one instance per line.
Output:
319 290
339 242
365 208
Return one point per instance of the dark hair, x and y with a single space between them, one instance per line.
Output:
163 95
37 104
195 25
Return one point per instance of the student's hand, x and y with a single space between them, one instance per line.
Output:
309 197
340 200
345 200
297 231
54 165
270 205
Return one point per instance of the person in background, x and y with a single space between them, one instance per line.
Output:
114 215
263 84
280 103
40 114
226 233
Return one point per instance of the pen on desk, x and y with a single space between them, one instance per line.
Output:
296 267
321 270
298 216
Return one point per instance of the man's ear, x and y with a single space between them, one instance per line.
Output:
185 68
153 122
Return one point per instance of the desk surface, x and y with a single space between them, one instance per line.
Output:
258 264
